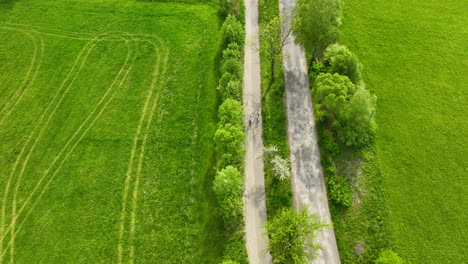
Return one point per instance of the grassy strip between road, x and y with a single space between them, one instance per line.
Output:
278 192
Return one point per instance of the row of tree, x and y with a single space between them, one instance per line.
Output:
341 101
229 135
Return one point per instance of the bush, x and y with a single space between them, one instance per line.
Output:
292 236
232 90
235 248
339 189
327 142
227 185
389 257
231 112
331 94
342 61
233 66
229 140
357 123
232 7
233 31
317 68
232 52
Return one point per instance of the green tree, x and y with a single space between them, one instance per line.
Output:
274 34
233 31
232 52
233 66
227 185
389 257
356 121
316 24
229 140
342 61
292 235
331 95
230 111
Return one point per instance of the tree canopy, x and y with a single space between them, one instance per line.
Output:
317 24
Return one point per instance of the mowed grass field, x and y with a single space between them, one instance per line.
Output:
107 116
415 55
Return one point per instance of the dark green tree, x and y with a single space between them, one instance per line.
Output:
317 24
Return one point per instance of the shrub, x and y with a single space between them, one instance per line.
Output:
339 189
230 112
317 24
327 142
281 167
235 248
229 140
232 52
233 31
228 188
232 7
342 61
387 256
317 68
292 236
331 94
232 66
357 123
233 90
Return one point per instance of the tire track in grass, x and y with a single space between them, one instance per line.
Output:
28 80
14 215
15 165
76 134
152 91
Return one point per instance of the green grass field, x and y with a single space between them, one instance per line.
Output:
107 116
415 60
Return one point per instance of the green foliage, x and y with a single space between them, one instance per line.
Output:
233 89
229 140
274 35
387 256
339 188
317 24
235 248
232 51
232 7
291 236
230 111
233 66
357 123
342 61
327 142
228 185
233 31
331 94
316 69
229 262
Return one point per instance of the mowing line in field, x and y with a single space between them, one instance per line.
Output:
28 80
15 165
140 163
14 217
128 178
43 116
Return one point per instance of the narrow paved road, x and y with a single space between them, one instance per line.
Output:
307 176
254 194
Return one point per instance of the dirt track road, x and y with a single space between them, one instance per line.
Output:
254 194
307 176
